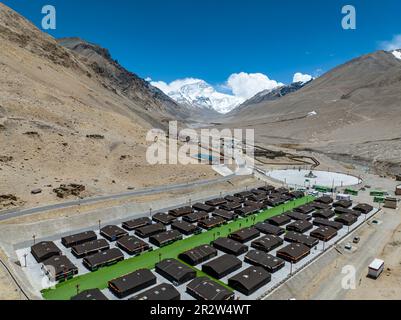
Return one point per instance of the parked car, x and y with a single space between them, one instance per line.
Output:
348 246
356 240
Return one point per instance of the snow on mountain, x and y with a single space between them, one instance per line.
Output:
198 93
397 54
272 94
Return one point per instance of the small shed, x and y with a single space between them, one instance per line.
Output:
376 268
391 203
398 190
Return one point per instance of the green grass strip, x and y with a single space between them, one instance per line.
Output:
99 279
200 273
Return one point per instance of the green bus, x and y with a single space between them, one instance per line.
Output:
351 192
322 189
378 199
377 193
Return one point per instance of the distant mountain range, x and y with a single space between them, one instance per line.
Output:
199 94
62 92
195 98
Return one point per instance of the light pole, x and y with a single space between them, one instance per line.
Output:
100 222
34 239
291 269
25 255
79 205
150 212
77 286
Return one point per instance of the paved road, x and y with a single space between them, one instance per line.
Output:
18 213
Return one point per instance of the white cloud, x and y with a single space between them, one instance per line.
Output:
394 44
300 77
174 85
247 85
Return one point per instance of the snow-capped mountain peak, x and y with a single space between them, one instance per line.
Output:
198 93
397 54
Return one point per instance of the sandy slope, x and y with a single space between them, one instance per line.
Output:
47 91
358 113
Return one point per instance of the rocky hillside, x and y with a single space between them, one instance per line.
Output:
353 112
122 81
269 95
64 121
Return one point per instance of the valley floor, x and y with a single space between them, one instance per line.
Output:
321 280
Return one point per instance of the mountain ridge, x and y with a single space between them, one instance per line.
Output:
199 94
120 79
270 95
354 110
61 122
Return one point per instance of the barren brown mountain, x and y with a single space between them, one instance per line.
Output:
63 120
353 112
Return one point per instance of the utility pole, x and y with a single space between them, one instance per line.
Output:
34 239
100 222
150 212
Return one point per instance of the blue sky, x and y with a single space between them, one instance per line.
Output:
212 39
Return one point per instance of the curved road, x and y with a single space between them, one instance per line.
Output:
18 213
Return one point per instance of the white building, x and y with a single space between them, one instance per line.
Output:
376 268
